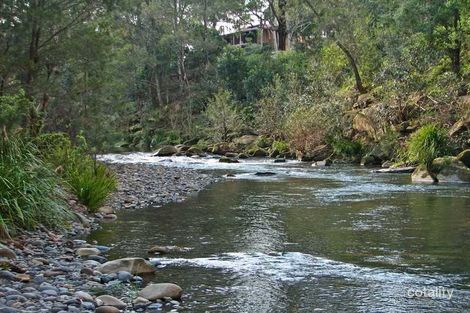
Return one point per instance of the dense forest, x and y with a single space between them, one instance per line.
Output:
349 79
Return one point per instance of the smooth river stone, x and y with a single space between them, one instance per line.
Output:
107 309
87 251
159 291
134 266
106 300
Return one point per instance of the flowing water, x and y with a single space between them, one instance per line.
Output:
337 239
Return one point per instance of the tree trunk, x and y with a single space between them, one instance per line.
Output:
279 12
31 71
455 51
282 26
357 76
158 88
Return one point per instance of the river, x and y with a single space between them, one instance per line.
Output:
336 239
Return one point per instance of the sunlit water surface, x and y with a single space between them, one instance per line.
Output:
338 239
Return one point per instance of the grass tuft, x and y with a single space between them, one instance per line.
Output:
30 192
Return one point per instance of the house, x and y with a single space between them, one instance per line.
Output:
258 34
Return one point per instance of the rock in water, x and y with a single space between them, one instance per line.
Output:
135 266
326 162
225 159
421 175
451 170
106 300
265 174
167 249
87 251
165 151
258 153
106 210
6 252
464 157
371 160
159 291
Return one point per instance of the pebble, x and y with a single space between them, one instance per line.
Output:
124 276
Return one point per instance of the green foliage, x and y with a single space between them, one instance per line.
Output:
247 72
30 193
222 116
388 145
304 130
165 137
13 110
89 180
281 146
426 144
347 148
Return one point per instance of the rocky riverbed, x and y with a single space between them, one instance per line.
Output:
144 185
44 271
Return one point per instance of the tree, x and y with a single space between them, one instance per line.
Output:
222 116
334 22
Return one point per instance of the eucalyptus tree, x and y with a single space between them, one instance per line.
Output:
34 34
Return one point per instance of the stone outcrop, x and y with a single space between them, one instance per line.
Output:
165 151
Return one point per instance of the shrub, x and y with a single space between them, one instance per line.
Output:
280 146
222 116
165 137
428 143
304 129
347 148
30 192
90 181
13 110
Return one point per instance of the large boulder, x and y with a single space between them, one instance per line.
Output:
159 291
371 160
422 175
363 123
451 170
182 148
165 151
221 148
258 152
195 150
319 153
135 266
246 140
464 157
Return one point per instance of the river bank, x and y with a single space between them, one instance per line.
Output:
46 271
